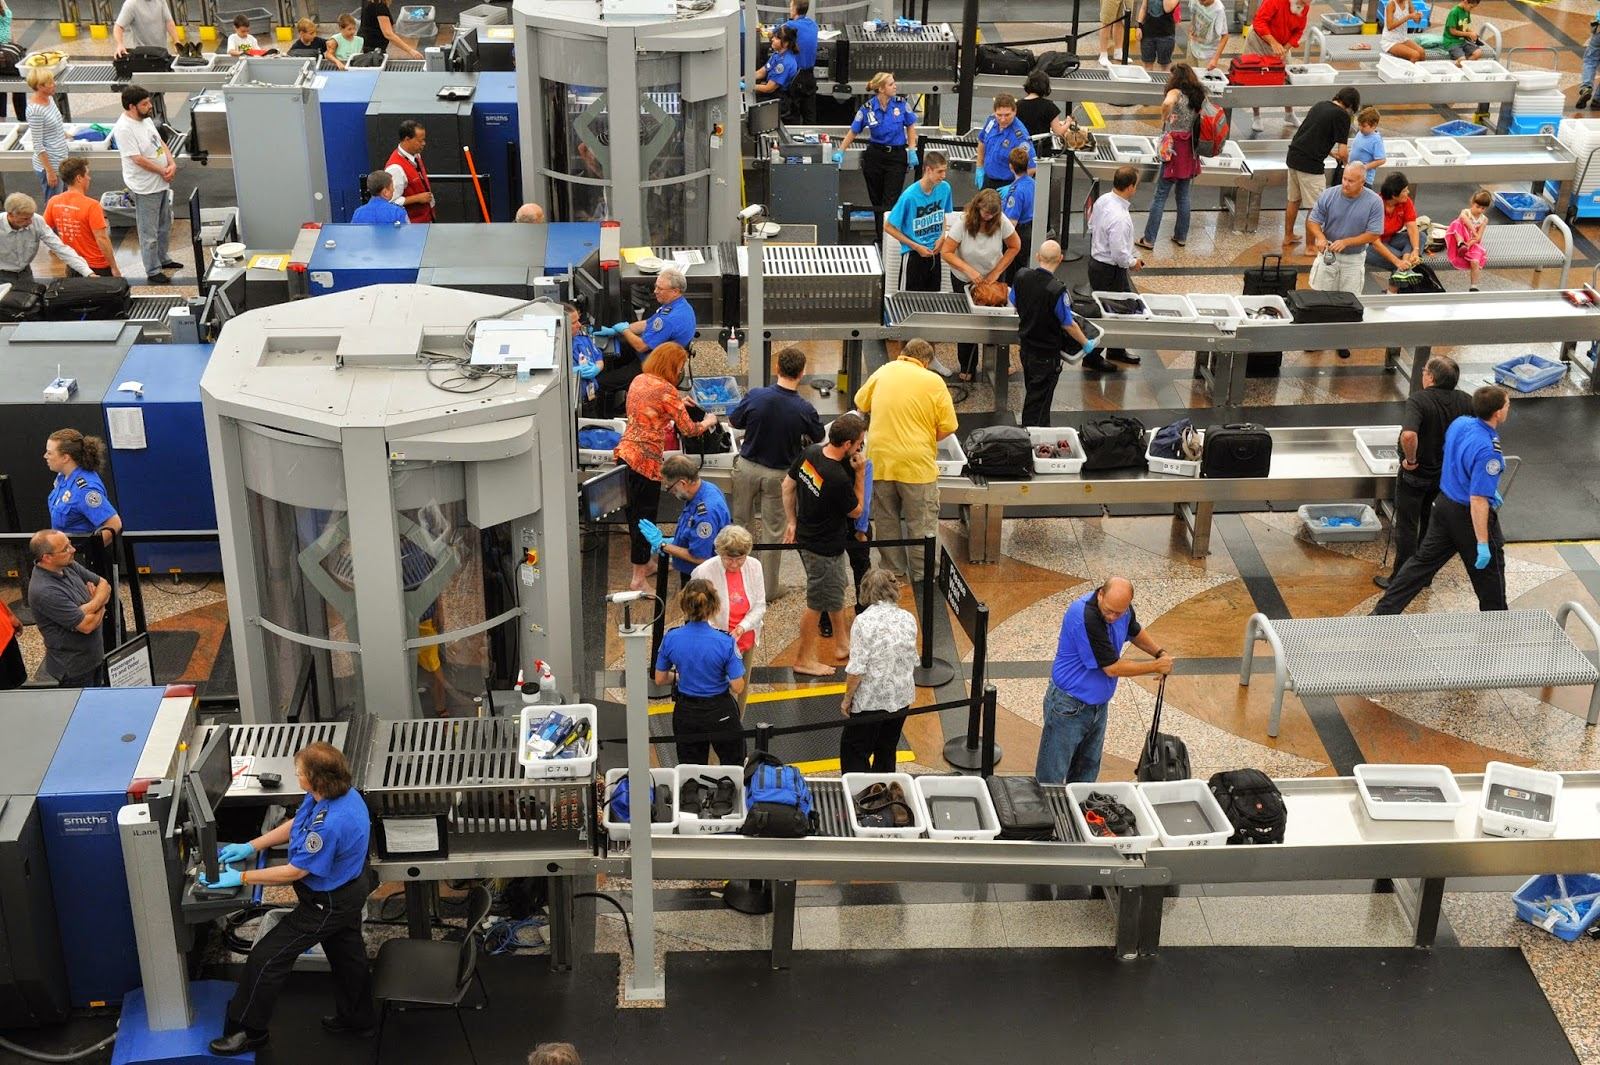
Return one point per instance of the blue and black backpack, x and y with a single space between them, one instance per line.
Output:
777 800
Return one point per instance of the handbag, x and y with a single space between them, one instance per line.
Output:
1112 442
990 293
1179 440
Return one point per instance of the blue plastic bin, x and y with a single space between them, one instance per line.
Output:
1460 128
1587 203
716 395
1533 125
1423 10
1521 206
1537 889
1548 373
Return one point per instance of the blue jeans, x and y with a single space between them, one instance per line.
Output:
48 189
1074 734
1180 230
152 213
1591 60
1400 244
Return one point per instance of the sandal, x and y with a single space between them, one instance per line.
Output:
721 802
691 797
1145 244
1180 243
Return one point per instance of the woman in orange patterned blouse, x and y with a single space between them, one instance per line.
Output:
654 406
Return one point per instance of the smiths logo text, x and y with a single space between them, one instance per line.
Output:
85 824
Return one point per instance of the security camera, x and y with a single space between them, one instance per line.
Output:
751 213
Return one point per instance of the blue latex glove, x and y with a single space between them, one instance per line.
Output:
233 853
1482 561
619 329
226 878
652 535
912 157
588 370
1090 344
1499 501
602 333
838 157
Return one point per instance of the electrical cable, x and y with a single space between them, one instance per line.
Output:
71 1055
627 925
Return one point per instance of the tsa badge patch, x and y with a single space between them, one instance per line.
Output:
1492 467
313 842
703 530
93 499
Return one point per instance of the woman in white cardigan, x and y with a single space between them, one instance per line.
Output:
741 593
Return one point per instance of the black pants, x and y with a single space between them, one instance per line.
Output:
1103 277
644 501
869 742
19 106
884 170
13 671
1040 372
1450 536
696 715
920 272
1413 504
966 354
332 918
860 555
804 92
89 678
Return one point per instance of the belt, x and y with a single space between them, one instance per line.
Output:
885 147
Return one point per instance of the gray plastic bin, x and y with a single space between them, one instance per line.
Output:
1312 516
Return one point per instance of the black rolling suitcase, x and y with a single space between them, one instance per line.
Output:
76 299
1165 756
1271 278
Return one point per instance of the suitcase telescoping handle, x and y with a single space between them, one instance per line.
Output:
1155 718
1277 267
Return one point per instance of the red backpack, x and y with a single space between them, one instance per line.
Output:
1211 131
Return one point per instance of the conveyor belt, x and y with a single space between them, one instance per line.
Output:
153 308
829 802
901 305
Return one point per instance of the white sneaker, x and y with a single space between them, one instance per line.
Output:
1104 60
1290 119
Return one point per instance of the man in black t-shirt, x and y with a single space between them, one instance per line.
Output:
1325 132
822 495
1429 413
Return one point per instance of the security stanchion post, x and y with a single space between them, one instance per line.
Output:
931 672
967 752
658 629
991 750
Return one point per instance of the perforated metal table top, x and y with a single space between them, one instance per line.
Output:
1523 245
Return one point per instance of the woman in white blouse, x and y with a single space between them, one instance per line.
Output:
878 678
741 593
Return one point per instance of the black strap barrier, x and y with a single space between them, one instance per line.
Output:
763 733
976 750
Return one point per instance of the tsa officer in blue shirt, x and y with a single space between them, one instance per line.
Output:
327 867
1465 520
1016 203
996 139
673 318
891 126
805 53
80 506
777 77
705 514
706 672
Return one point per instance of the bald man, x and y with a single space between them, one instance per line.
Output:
1046 331
530 212
1344 221
1089 661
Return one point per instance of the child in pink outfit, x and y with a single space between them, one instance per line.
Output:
1463 241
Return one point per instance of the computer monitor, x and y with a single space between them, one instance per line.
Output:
214 766
202 822
604 495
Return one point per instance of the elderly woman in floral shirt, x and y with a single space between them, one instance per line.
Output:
654 407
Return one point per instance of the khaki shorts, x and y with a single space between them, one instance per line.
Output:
1305 188
1111 10
827 576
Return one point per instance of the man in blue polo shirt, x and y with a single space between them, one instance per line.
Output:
917 222
1465 520
673 319
996 139
1089 661
805 84
777 423
705 513
381 210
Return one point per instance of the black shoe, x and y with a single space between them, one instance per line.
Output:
1127 356
172 264
158 279
1594 103
239 1042
1344 353
1096 364
1583 97
1382 579
825 625
339 1025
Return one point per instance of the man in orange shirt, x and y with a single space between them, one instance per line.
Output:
80 221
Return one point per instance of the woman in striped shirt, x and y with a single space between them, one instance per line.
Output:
49 135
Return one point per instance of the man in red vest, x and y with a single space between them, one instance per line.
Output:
411 188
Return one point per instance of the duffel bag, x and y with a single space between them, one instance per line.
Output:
1056 65
1257 70
1113 442
1420 279
1021 808
1003 452
141 60
1311 306
71 299
1253 803
998 59
21 302
1242 449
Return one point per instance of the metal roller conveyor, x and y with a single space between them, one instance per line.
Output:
821 284
98 75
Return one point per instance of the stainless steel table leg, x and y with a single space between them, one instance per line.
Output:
782 923
561 923
1002 377
1196 518
1421 901
420 895
1138 920
983 532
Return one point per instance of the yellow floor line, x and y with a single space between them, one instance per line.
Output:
831 765
1095 121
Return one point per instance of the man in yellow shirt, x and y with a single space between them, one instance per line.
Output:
911 412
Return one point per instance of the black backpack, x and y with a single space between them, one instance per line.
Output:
1003 452
1253 803
1056 65
23 301
998 59
1165 756
1424 281
1112 443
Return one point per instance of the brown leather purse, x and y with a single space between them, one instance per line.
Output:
990 293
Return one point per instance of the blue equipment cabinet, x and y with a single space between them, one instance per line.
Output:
167 483
365 255
343 100
494 142
87 784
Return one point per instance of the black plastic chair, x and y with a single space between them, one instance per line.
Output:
432 973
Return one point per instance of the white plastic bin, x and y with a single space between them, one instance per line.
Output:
1379 448
1254 305
1131 149
1311 74
1536 80
1392 807
1399 152
1443 70
1442 150
932 786
539 768
950 459
856 783
1002 311
481 15
693 824
1045 435
1312 516
1485 70
1127 793
661 778
1494 815
594 456
1215 306
1159 793
1394 69
1171 467
1128 72
1230 158
724 460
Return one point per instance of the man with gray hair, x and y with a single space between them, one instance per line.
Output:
21 236
1344 221
673 318
69 604
380 210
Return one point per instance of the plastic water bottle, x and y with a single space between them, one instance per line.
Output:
547 682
